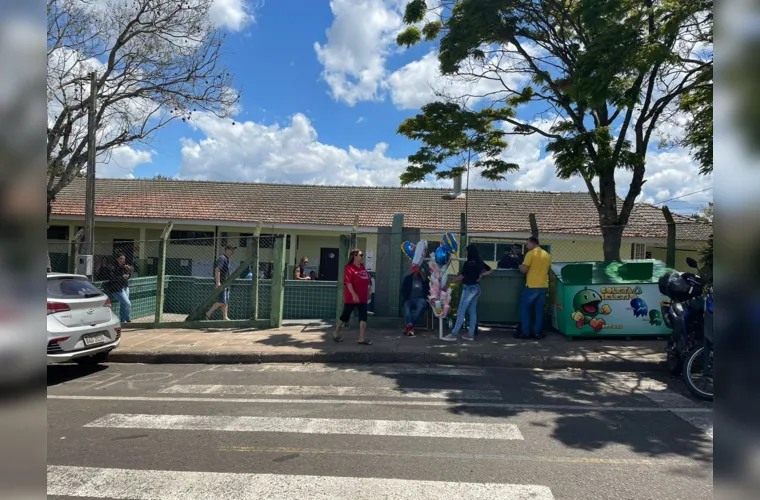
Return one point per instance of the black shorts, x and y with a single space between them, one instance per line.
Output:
349 308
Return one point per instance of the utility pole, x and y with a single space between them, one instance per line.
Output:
89 213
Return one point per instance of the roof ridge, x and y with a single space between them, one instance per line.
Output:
347 186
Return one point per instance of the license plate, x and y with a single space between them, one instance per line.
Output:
94 338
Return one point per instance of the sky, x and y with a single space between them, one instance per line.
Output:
323 89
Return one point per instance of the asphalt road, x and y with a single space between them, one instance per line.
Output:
292 431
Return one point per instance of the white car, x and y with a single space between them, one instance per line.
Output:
81 326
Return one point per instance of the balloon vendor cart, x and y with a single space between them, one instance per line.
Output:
438 264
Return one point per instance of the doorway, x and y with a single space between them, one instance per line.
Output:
328 264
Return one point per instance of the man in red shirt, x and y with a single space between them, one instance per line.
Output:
356 283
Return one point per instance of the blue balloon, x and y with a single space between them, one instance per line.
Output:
441 256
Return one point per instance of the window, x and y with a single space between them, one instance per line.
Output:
267 241
192 237
486 251
639 251
77 288
505 248
58 233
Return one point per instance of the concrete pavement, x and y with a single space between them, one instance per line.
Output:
313 343
342 431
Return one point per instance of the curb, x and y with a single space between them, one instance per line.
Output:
602 363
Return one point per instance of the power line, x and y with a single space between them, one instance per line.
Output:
682 196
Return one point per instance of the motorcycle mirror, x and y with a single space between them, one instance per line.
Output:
692 263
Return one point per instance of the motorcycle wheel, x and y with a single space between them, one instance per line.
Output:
693 372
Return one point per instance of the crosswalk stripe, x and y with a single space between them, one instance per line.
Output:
407 428
183 485
443 371
330 390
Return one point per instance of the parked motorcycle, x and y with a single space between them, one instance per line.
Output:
683 314
689 349
699 366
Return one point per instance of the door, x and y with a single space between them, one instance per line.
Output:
328 264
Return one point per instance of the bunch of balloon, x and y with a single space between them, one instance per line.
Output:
440 294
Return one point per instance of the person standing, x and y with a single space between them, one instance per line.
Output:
356 283
473 269
300 273
221 273
535 267
414 291
511 260
118 286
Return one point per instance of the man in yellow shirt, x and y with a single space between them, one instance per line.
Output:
535 267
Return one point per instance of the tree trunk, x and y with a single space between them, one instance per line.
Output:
613 239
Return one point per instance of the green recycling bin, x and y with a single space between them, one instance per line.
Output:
607 298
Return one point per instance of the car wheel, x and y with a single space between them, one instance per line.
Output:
93 360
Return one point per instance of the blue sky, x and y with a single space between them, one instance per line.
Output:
323 89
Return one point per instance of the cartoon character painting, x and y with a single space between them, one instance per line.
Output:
655 317
586 307
639 307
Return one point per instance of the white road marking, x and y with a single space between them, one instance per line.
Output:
182 485
357 427
447 404
444 371
331 390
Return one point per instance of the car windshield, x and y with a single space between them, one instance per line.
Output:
71 288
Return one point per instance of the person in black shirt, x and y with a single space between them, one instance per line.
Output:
414 292
300 272
117 286
511 260
473 269
221 273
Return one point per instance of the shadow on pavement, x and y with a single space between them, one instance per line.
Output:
61 373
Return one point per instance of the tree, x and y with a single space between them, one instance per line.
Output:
608 71
155 60
457 138
698 103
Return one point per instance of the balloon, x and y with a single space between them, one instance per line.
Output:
441 256
408 248
450 243
419 254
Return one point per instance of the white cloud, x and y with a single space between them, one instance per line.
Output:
255 152
231 14
358 43
121 162
418 82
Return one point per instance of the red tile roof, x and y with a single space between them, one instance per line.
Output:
489 210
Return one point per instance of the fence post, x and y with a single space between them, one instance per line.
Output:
533 225
74 251
161 272
354 233
255 241
670 254
277 297
394 287
462 233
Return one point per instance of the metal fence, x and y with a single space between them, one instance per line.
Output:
188 266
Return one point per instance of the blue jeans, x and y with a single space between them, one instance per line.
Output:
534 298
468 303
413 309
125 306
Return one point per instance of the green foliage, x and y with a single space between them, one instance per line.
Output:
449 132
706 262
596 64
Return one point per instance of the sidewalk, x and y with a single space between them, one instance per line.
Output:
312 343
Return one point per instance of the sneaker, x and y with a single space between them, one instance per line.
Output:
450 338
468 336
410 332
